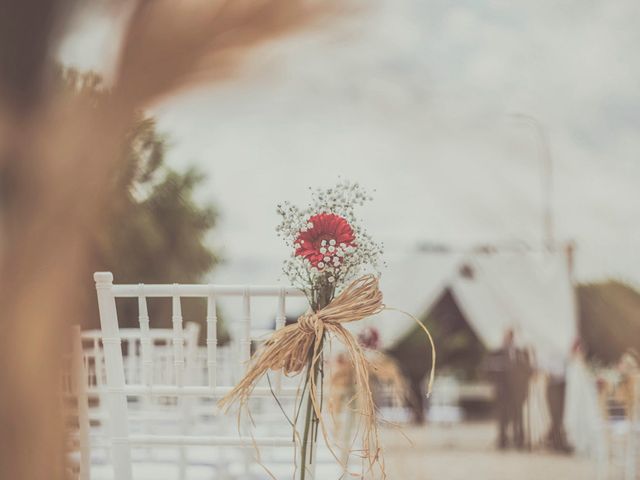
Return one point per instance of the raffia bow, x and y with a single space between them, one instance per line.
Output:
290 349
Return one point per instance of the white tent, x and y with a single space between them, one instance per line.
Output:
531 293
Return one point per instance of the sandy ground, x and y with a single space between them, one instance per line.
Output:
461 452
466 452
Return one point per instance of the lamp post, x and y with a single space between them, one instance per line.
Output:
544 153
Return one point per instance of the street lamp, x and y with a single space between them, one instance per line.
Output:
544 153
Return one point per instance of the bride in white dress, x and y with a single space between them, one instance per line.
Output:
583 417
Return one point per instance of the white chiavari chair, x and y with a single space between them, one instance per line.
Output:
632 465
622 457
223 432
147 409
444 406
76 409
158 344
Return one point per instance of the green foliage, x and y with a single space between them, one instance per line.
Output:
609 320
154 231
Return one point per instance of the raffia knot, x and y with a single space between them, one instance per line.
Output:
309 323
289 348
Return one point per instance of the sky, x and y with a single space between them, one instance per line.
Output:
419 101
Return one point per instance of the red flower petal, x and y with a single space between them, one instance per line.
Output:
326 226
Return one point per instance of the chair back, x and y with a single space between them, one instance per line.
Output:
138 377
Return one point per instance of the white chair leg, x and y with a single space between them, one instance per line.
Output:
630 461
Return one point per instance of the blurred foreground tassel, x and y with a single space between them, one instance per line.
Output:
58 156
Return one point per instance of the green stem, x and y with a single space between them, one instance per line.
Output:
311 419
305 438
321 297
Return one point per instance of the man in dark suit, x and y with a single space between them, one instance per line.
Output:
519 383
556 438
510 370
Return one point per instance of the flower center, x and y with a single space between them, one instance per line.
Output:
323 238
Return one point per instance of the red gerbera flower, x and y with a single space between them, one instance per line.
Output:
324 243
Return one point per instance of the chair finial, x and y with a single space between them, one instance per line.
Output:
103 277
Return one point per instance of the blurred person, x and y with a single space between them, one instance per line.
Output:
369 338
628 388
520 378
556 368
510 369
537 409
583 417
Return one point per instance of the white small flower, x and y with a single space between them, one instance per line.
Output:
323 243
343 246
327 259
309 225
331 279
320 264
323 250
331 248
332 242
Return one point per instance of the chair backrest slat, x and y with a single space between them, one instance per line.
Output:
281 319
177 340
145 339
98 364
212 340
245 329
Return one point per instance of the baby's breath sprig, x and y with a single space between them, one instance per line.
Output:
337 249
